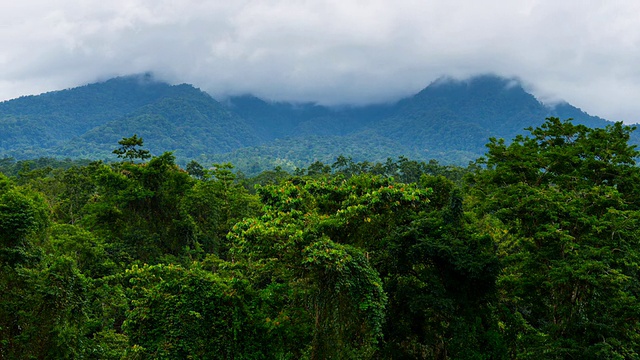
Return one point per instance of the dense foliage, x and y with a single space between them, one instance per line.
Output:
532 252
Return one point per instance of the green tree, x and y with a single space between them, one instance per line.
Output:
566 203
23 218
195 169
216 204
138 207
318 169
42 296
331 303
89 252
129 149
182 313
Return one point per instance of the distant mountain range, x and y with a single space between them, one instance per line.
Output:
449 121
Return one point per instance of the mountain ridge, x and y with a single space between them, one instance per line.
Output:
449 120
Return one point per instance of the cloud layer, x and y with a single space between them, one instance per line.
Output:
330 51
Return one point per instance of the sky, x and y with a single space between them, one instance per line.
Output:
332 52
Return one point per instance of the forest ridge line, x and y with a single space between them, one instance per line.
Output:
450 121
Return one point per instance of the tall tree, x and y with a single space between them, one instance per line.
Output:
138 206
566 201
130 149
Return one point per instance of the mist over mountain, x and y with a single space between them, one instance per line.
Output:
449 120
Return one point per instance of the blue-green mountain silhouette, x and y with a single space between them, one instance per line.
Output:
450 121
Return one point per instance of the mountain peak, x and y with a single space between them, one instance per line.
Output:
484 92
480 83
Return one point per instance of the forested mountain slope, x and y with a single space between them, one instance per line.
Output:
451 115
88 120
449 120
32 125
190 124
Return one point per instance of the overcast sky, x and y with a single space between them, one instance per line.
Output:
329 51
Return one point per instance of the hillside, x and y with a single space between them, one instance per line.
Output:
452 115
449 120
34 125
190 124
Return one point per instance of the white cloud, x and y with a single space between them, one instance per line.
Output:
330 51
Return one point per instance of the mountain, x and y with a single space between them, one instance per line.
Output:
450 121
452 115
33 125
89 121
190 123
